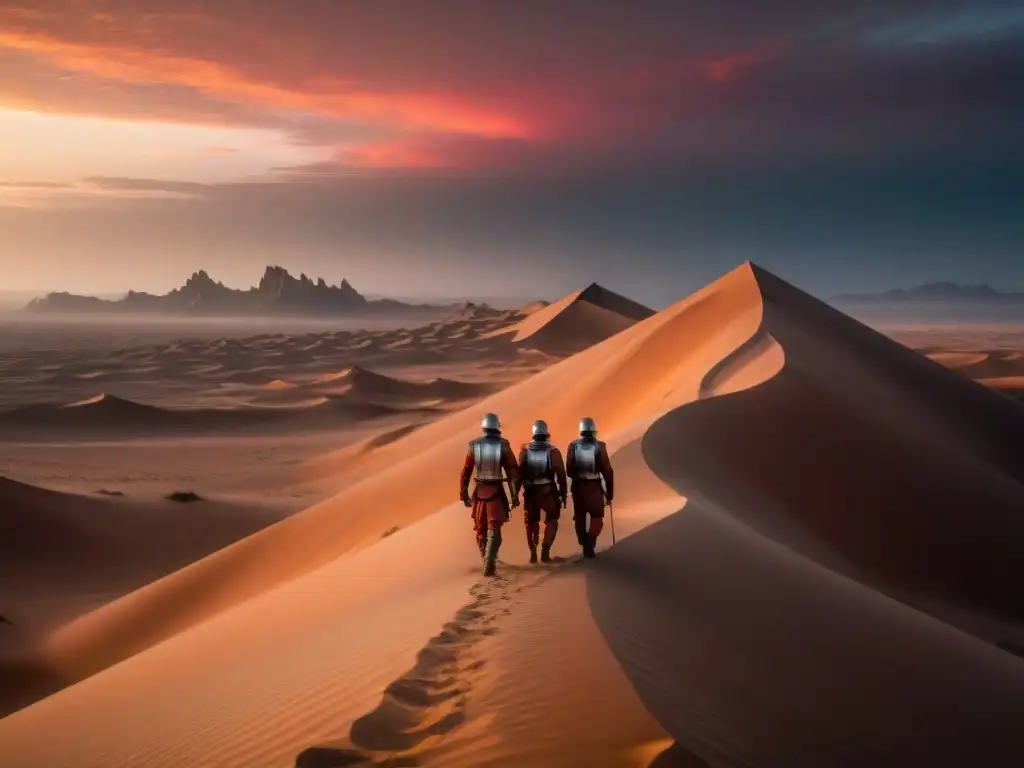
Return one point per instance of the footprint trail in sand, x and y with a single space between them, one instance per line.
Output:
428 703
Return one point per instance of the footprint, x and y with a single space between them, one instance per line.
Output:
452 634
434 655
430 699
388 730
417 693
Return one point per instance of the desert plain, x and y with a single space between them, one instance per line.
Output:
249 550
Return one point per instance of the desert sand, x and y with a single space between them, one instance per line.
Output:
817 559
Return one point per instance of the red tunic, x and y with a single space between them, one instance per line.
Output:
588 497
490 504
548 497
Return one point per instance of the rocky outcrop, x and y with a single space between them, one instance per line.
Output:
277 293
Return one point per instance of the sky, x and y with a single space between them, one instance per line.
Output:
459 147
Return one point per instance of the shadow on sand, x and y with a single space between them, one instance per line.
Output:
750 649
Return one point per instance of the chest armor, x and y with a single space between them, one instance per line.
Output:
487 458
586 460
537 468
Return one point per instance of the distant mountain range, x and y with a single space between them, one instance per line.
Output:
278 293
936 292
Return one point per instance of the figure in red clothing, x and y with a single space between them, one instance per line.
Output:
543 480
489 455
586 464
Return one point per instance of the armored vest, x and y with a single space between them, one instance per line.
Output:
487 458
537 464
586 460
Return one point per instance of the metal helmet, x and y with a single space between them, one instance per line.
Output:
490 423
587 424
540 429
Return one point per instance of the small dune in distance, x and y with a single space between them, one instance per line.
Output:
817 558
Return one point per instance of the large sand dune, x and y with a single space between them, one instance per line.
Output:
818 544
645 370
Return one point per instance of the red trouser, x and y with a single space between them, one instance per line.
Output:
536 500
490 511
588 499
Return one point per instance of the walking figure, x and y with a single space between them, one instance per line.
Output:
587 463
542 473
489 455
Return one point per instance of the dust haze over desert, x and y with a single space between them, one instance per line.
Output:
303 317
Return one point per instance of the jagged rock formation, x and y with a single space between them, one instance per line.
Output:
277 293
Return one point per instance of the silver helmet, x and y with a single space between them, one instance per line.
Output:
490 423
587 424
540 428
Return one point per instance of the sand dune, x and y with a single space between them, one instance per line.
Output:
369 385
109 416
819 536
635 373
1009 384
533 306
177 374
994 364
578 321
63 554
953 536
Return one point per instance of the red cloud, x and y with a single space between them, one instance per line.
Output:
397 154
327 96
434 109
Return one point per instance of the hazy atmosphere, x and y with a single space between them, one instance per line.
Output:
510 148
520 384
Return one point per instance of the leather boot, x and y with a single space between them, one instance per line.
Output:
545 553
581 531
588 547
532 537
491 557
